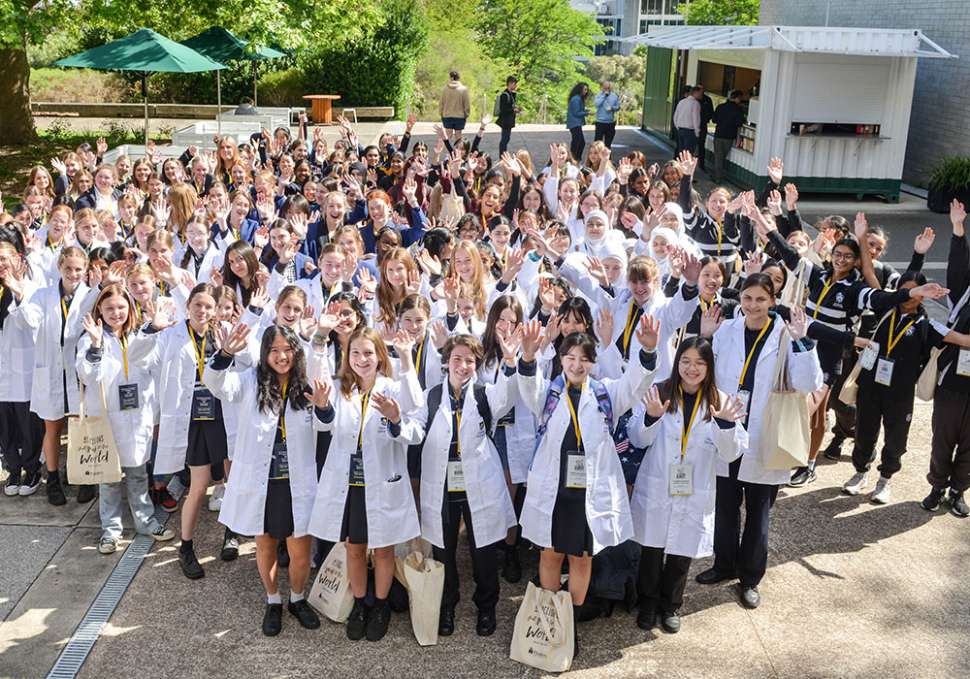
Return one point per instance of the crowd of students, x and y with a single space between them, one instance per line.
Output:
570 354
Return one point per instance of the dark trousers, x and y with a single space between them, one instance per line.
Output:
722 149
702 148
662 580
845 414
687 140
893 409
951 429
503 143
744 553
577 143
605 133
21 437
484 559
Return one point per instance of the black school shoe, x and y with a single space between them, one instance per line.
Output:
230 546
378 621
485 627
958 506
931 502
191 567
55 492
357 620
446 621
712 576
749 596
85 493
834 449
511 569
273 619
301 611
670 621
801 477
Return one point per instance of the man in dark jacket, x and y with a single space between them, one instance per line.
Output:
506 112
707 113
728 119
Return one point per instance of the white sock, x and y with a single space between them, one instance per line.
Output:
811 464
273 598
296 596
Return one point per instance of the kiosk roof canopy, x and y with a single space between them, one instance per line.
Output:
875 42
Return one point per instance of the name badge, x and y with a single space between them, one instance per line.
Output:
869 356
963 363
357 470
203 405
456 477
575 470
128 396
279 466
884 372
681 479
745 397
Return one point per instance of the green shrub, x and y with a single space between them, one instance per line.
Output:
952 174
78 85
282 88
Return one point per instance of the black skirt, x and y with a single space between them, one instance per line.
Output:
570 530
207 446
354 528
278 516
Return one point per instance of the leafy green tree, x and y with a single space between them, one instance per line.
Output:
541 42
720 12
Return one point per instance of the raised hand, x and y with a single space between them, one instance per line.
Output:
531 337
623 171
791 196
604 326
409 190
692 268
687 162
387 407
597 271
235 341
413 286
958 214
798 325
654 406
732 409
439 334
95 330
754 263
452 288
928 291
774 202
924 241
508 342
322 391
710 320
162 315
513 264
776 170
860 227
648 332
512 164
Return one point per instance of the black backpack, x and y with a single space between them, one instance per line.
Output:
434 402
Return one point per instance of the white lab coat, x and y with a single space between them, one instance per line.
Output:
680 525
133 428
488 496
607 504
672 312
729 355
42 314
17 352
391 513
244 504
213 257
520 435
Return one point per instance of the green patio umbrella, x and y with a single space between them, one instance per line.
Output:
144 51
222 45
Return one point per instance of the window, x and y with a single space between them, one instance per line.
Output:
652 7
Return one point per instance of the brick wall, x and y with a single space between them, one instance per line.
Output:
940 121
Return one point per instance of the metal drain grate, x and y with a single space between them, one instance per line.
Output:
82 641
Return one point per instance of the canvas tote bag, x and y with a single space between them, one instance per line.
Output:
424 579
331 594
543 636
92 455
786 431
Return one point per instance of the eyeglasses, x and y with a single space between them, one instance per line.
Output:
843 256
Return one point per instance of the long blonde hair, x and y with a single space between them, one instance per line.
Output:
348 378
475 288
182 198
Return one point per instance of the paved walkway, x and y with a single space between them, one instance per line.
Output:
853 590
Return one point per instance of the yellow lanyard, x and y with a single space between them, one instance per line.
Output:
199 352
138 312
161 287
628 330
51 244
690 423
2 290
572 413
891 344
64 308
458 422
417 359
284 387
825 291
124 353
747 361
363 411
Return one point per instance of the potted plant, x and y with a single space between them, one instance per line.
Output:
950 179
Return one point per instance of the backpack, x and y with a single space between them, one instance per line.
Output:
603 402
434 402
497 107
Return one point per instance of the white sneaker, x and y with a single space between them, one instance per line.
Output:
12 487
107 545
215 500
162 534
881 495
856 484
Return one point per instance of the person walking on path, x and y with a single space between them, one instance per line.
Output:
454 107
576 117
728 119
505 112
687 120
607 104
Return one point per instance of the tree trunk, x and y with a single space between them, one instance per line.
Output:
16 120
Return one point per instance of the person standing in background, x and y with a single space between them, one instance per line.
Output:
687 120
505 112
728 119
607 104
707 113
575 119
454 107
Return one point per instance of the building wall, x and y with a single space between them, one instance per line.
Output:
940 124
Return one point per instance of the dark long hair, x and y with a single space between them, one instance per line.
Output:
578 89
493 351
269 391
573 306
244 250
670 388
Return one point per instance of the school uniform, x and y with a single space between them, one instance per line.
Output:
462 478
675 523
426 360
364 495
273 481
576 499
21 431
245 231
200 265
514 433
746 479
718 239
129 393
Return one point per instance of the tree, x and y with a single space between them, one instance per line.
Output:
720 12
626 75
541 42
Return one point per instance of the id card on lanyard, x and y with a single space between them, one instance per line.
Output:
575 459
884 366
744 394
127 393
680 476
203 402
